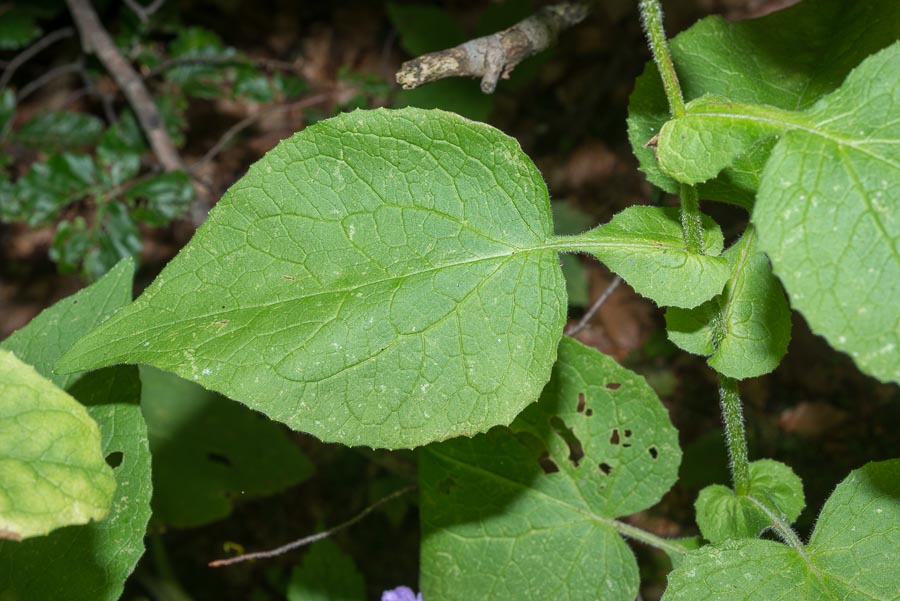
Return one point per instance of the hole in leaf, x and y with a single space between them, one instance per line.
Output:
627 433
613 386
114 459
219 458
548 465
606 468
653 452
589 412
581 403
576 451
614 439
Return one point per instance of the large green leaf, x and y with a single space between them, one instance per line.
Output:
723 514
380 278
745 331
91 563
853 553
529 512
828 215
386 278
788 59
52 473
56 328
209 451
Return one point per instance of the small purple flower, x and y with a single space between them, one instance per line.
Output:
401 593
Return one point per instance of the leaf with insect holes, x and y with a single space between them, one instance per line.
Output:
598 445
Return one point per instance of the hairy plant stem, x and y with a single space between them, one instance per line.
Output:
733 416
652 19
691 219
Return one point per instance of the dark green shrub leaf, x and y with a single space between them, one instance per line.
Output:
723 514
326 574
117 239
209 451
7 110
60 130
852 554
71 242
161 198
52 472
48 186
746 330
537 501
788 59
18 28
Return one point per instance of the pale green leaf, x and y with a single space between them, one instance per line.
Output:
723 514
385 278
745 332
828 215
529 512
326 574
92 562
852 556
209 451
55 329
788 59
645 246
46 567
52 473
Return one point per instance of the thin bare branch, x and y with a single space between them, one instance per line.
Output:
36 84
589 315
495 56
144 12
243 124
95 39
27 54
308 540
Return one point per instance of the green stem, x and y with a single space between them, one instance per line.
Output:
647 538
783 529
733 416
691 219
652 19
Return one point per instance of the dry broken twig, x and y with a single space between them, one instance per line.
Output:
96 40
494 56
